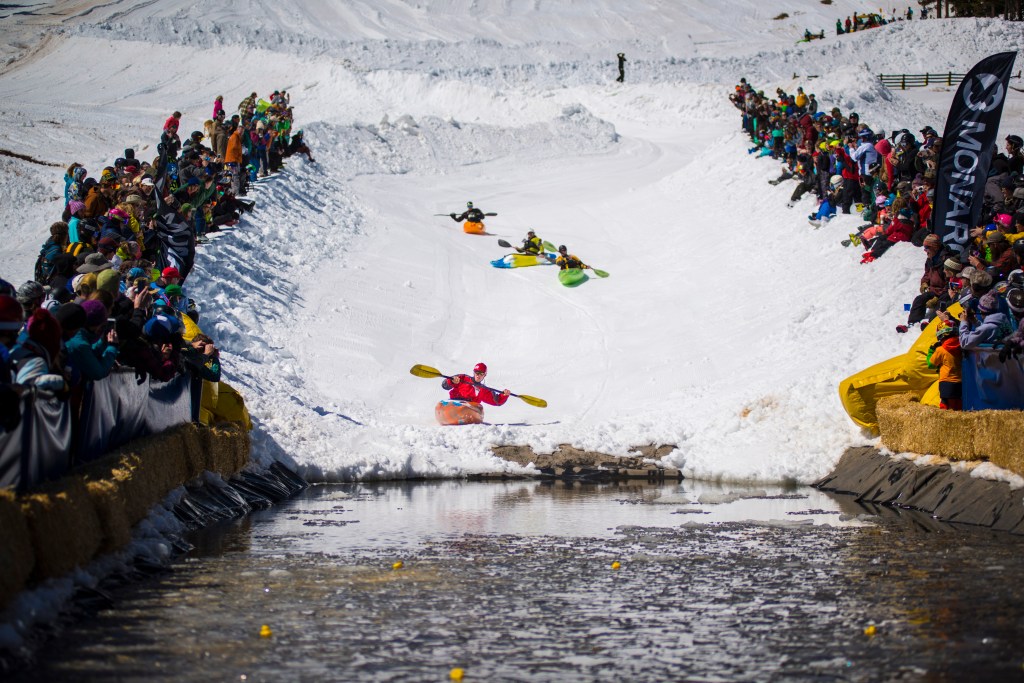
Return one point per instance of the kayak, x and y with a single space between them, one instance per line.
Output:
473 228
572 277
522 260
457 412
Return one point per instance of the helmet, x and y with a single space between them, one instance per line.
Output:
481 368
823 146
1016 278
530 232
469 205
945 332
835 181
562 249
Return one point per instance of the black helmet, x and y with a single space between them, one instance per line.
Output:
562 249
1018 247
469 205
196 135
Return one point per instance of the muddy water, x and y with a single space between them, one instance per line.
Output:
515 581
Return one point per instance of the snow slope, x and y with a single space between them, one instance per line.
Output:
727 321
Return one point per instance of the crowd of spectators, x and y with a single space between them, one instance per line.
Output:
890 179
109 287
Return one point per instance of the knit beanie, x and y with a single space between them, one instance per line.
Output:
108 280
95 312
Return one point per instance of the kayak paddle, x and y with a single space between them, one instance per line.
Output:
503 243
429 372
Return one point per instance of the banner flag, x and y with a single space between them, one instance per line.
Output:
968 143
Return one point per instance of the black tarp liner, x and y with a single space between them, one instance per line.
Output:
40 447
114 411
119 409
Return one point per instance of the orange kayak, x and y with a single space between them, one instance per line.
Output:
456 412
473 228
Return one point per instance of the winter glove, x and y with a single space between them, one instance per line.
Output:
453 216
932 303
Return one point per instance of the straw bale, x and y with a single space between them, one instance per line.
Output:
64 527
108 498
16 555
999 436
195 446
229 448
906 425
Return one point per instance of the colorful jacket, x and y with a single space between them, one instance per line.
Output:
947 358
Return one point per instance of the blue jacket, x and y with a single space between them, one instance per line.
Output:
91 356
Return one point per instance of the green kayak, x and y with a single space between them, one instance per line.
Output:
572 277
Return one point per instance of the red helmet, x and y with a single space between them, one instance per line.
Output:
480 367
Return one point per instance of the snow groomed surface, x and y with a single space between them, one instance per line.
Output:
321 307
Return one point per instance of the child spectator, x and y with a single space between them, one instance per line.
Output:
946 356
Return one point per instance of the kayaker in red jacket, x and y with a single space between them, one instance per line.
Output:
466 388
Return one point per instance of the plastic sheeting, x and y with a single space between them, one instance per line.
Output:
119 409
991 384
39 448
114 411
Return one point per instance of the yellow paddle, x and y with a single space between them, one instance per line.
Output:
429 372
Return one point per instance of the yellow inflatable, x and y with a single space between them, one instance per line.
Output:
907 373
220 402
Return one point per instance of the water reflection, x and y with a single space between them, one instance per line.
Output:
514 581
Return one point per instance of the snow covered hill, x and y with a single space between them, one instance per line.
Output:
727 320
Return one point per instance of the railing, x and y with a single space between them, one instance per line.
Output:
904 81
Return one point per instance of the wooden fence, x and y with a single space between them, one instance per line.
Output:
904 81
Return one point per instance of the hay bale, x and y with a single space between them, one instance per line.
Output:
16 555
229 448
195 442
63 525
108 499
997 434
906 425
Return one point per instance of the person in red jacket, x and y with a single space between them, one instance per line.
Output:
900 230
466 388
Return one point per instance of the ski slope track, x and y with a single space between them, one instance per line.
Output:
727 320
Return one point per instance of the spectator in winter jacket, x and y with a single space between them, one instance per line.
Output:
865 153
73 182
36 357
933 282
92 350
173 122
1015 154
218 106
466 388
993 326
100 199
1001 258
851 178
946 356
900 230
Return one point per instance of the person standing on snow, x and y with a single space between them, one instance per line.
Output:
466 388
622 67
471 214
